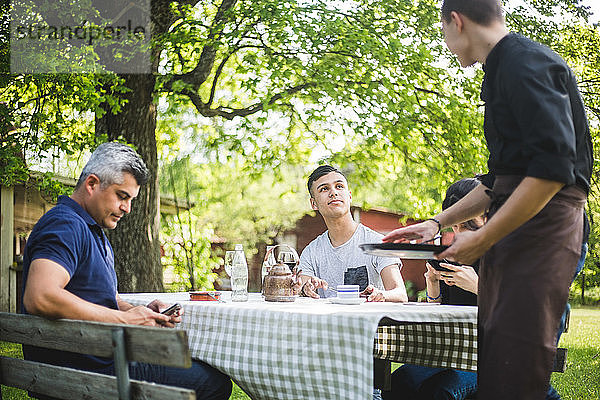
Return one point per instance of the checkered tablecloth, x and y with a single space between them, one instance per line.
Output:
312 349
448 344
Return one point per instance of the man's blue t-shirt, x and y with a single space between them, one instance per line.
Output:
69 236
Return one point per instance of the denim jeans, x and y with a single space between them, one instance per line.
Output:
412 382
207 382
552 393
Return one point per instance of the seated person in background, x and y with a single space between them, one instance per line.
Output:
334 257
458 288
68 271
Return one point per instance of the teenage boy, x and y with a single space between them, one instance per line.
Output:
334 257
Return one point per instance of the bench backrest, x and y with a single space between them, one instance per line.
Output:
122 342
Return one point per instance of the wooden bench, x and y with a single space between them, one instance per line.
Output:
168 347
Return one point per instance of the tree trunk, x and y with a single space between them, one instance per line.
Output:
136 238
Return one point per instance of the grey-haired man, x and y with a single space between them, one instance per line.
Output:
68 270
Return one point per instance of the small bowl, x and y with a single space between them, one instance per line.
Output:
205 296
347 291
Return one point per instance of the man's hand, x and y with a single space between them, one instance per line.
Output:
158 306
310 286
142 315
423 231
372 294
467 247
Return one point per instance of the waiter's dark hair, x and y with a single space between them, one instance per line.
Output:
457 191
321 170
482 12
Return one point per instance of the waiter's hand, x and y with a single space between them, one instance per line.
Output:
467 248
423 231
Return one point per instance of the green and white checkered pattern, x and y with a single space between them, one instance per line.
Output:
449 344
309 349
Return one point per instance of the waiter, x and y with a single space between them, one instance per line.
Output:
540 165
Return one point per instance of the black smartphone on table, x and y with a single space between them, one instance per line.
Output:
172 310
436 265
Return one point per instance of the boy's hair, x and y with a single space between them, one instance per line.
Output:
457 191
110 160
482 12
321 170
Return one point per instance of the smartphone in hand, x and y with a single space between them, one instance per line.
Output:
436 265
172 310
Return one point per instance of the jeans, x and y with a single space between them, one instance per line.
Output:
580 264
412 382
207 382
552 393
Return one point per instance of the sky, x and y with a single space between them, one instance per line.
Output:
595 4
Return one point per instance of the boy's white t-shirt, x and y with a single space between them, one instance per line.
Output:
346 264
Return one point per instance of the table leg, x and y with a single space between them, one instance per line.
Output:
382 373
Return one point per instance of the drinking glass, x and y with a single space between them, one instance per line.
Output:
288 258
229 255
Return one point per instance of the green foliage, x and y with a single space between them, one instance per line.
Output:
52 114
187 254
231 198
242 208
591 294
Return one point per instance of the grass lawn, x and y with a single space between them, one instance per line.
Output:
581 380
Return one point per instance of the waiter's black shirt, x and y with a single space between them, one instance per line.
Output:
535 123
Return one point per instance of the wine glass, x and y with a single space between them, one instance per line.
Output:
289 258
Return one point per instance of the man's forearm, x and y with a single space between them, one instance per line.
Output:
63 304
396 295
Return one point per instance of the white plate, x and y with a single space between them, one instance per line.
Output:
357 300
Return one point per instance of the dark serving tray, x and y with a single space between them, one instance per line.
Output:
418 251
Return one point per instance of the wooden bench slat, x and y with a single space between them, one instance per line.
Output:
70 383
145 344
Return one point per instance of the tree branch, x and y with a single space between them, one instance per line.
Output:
230 113
200 73
428 91
217 75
